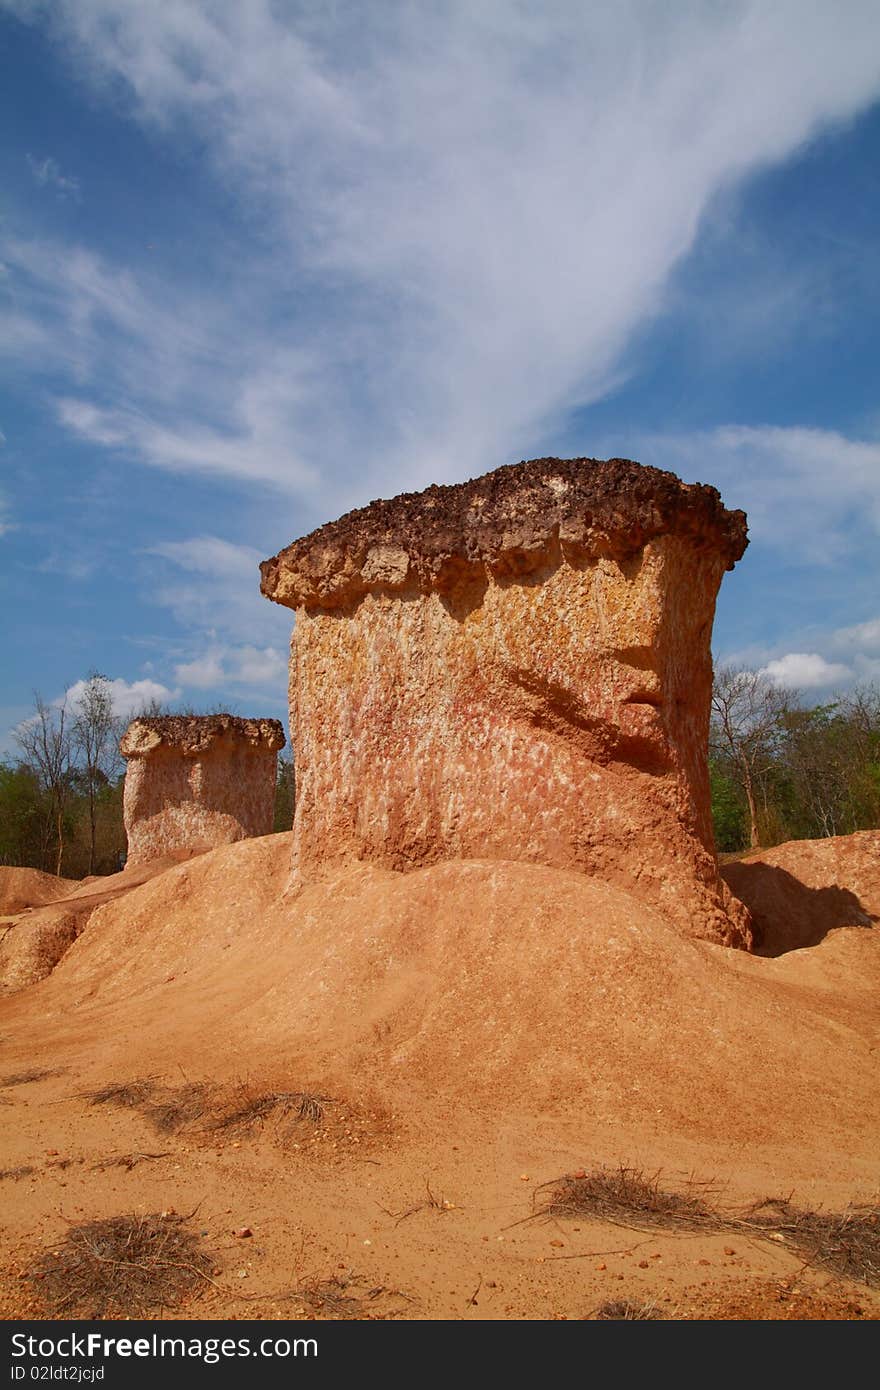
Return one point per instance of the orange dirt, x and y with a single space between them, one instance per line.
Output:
800 891
23 888
476 1028
53 912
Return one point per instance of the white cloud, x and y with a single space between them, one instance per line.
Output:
838 658
203 673
148 342
863 637
806 491
23 337
260 666
256 446
805 671
47 173
494 194
226 665
128 698
860 645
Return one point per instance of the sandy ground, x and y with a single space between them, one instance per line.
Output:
475 1030
21 889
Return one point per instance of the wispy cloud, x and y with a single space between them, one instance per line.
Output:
478 204
860 637
204 672
214 588
859 644
157 368
211 556
257 446
807 492
47 173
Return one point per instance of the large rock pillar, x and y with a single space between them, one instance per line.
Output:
196 782
517 667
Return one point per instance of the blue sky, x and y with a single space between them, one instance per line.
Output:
262 263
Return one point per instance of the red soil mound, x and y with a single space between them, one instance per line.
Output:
32 941
494 987
23 888
798 892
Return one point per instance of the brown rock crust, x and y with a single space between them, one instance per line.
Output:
504 524
194 734
515 668
196 782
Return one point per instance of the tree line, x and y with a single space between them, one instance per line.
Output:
782 769
61 792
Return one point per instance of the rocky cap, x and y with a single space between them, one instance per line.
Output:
194 734
504 524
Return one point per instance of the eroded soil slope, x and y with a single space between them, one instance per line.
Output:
466 1032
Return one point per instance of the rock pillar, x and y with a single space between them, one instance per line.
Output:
193 783
517 667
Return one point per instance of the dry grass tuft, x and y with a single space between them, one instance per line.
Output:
625 1196
167 1108
311 1107
24 1078
431 1201
621 1309
122 1265
251 1106
847 1243
128 1095
347 1297
127 1161
305 1120
13 1174
175 1109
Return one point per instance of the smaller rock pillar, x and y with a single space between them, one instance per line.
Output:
196 782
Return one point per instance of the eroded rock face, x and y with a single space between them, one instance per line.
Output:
193 783
515 668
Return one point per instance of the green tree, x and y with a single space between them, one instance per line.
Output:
729 815
285 794
24 816
831 759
